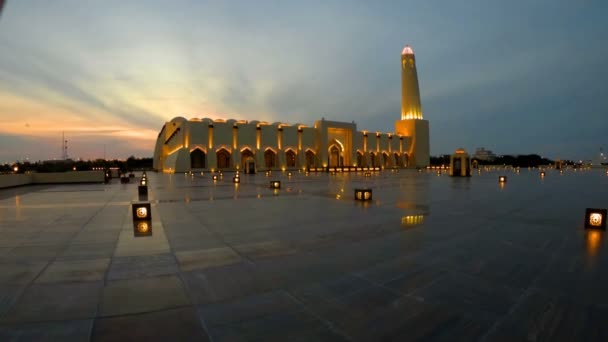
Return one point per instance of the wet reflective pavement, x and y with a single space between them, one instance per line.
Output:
429 258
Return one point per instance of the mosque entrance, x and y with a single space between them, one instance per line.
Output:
310 158
290 158
197 159
223 159
247 161
335 159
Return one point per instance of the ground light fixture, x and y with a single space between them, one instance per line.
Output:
363 194
236 179
214 178
542 174
595 218
502 179
275 184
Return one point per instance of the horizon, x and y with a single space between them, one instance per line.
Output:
513 78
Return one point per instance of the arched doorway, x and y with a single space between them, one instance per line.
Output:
223 159
197 159
247 161
290 157
385 159
310 158
406 160
397 160
270 159
360 159
372 156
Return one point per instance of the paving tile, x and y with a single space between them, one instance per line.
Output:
540 317
248 307
205 258
472 295
48 331
142 266
88 251
131 296
168 325
222 283
264 249
20 272
61 301
74 271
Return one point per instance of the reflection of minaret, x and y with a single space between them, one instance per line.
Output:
412 124
410 93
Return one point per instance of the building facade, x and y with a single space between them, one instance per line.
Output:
204 144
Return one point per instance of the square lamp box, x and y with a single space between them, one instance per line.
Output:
363 194
275 184
142 191
595 218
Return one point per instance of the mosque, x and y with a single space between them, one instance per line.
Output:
205 144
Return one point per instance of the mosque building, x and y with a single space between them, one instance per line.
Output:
205 144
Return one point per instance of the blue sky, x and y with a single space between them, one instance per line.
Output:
512 76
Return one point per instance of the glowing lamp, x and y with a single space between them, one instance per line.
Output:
332 169
288 174
359 169
143 182
502 179
595 218
214 178
275 184
363 194
306 173
542 173
141 213
267 174
365 169
236 179
142 228
377 169
368 174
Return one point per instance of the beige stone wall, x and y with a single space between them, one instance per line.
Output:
51 178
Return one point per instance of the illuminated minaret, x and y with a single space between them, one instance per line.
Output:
412 123
410 93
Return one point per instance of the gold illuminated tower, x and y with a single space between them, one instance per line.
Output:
412 124
410 93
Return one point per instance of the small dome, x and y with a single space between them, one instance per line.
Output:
407 50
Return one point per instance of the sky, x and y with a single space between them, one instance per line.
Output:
515 77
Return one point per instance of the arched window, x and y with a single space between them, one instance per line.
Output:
360 159
372 156
310 158
385 159
290 156
246 154
397 161
270 158
223 159
197 159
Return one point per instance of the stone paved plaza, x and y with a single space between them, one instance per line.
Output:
429 258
